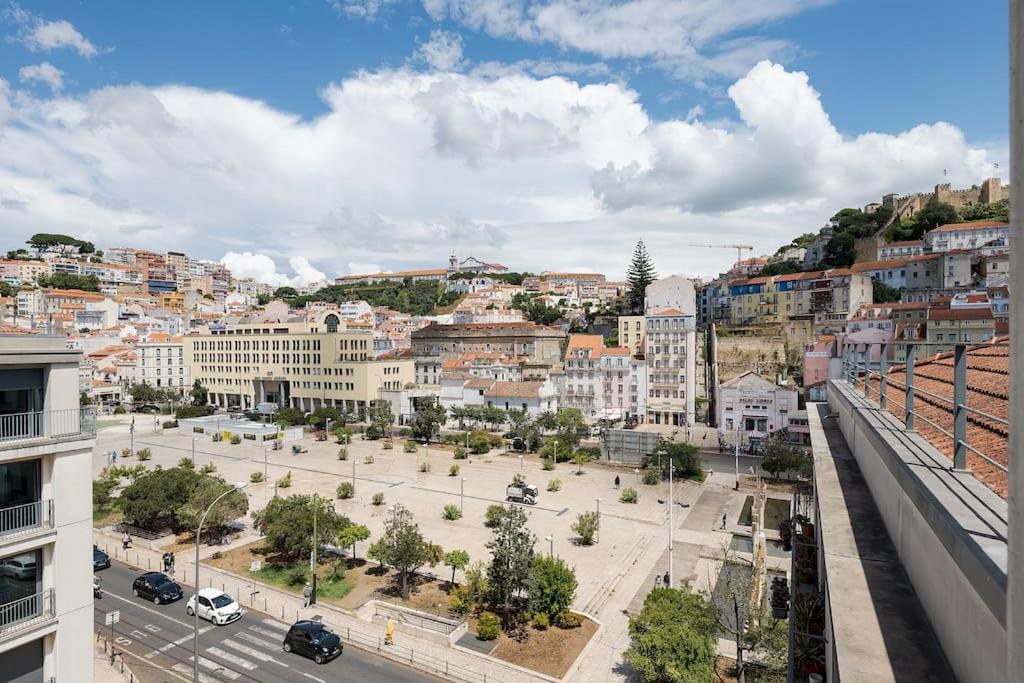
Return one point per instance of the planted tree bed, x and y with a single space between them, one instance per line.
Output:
549 652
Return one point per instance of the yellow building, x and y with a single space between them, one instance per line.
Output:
302 363
631 333
172 301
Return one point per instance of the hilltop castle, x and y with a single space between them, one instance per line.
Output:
990 191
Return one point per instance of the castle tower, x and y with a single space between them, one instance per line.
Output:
453 264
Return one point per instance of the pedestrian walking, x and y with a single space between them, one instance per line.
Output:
723 521
170 563
164 562
711 473
307 595
616 481
113 455
126 541
389 632
657 581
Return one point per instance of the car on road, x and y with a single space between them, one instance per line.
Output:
215 606
100 560
157 587
314 640
148 408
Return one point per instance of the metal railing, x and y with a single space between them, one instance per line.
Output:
871 371
47 424
21 519
17 615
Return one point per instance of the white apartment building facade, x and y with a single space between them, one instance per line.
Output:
671 315
955 236
46 441
160 362
754 405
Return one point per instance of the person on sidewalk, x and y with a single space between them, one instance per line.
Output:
616 482
723 521
126 541
307 594
389 632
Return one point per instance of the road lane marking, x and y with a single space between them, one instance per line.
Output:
274 647
230 657
267 632
319 680
283 628
252 652
175 643
216 668
186 669
150 610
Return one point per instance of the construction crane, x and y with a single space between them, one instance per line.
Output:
738 247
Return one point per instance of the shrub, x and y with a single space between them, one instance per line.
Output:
518 480
368 460
378 498
547 464
126 453
284 482
170 424
217 555
410 447
555 485
586 526
208 468
187 464
342 435
424 467
342 453
235 439
144 454
460 453
256 477
119 410
372 433
346 490
481 442
217 437
453 471
568 619
492 516
451 512
489 626
629 495
405 432
388 445
652 476
541 621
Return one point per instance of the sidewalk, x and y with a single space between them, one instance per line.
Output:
454 663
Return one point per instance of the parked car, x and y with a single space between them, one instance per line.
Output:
157 587
21 567
147 408
215 606
314 640
100 560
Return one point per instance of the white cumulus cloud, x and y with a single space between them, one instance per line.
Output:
44 73
40 35
443 51
404 167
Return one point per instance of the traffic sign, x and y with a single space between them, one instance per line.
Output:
113 617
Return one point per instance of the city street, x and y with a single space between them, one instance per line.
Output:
156 642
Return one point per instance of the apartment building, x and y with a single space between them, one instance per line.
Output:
948 325
954 236
631 333
583 373
903 249
671 367
46 441
160 362
754 405
302 363
436 343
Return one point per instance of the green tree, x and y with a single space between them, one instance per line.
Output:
882 293
319 417
199 394
59 280
685 459
841 250
586 526
289 525
569 425
289 416
403 545
151 501
456 559
285 293
141 392
511 547
352 534
639 274
932 215
381 417
494 416
42 241
552 586
780 268
673 638
539 312
430 416
228 508
580 458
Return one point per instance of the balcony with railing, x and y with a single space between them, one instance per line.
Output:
18 521
29 611
39 426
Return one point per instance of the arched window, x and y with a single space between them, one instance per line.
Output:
332 323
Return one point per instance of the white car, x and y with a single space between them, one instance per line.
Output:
215 606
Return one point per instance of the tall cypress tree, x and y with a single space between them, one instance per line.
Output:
640 274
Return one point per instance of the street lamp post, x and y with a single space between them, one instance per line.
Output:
462 494
738 436
195 632
193 452
671 520
353 476
637 473
598 520
551 545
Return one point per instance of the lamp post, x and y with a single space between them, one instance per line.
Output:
193 452
739 435
637 473
671 520
353 476
195 632
598 520
462 494
551 545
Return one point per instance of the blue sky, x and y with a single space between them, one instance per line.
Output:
879 66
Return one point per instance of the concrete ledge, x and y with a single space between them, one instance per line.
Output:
446 633
949 531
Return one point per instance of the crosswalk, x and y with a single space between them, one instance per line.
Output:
242 654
